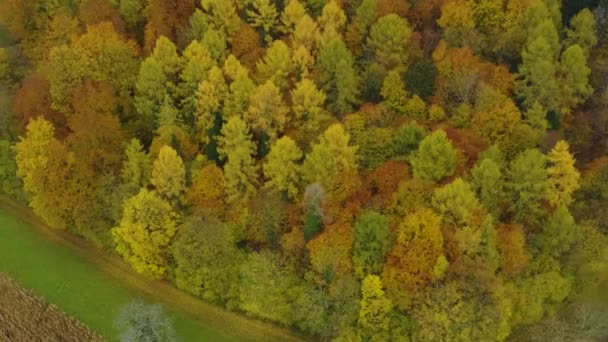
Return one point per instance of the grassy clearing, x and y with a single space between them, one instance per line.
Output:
71 282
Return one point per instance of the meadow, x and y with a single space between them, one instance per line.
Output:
67 279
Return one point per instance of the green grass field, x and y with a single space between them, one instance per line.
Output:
68 280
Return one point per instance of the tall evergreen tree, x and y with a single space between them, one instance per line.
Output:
337 76
528 186
537 73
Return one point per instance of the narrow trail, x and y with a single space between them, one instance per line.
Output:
230 323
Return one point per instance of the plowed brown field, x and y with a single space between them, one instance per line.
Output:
26 317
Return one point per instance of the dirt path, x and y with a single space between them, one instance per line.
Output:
232 324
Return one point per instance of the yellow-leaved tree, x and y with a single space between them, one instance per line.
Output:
293 12
145 232
417 258
330 157
210 98
332 22
241 88
281 168
267 113
374 315
276 65
563 176
169 174
307 106
222 16
31 152
207 192
264 15
32 155
306 32
236 147
394 94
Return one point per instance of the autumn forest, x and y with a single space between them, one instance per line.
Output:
352 170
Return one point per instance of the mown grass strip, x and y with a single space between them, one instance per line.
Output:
70 282
92 286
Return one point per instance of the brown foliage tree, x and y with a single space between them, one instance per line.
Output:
32 99
167 18
511 245
92 12
330 252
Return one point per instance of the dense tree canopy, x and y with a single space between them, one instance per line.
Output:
168 173
281 168
330 157
366 170
435 157
145 232
372 241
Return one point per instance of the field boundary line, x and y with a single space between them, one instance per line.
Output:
227 322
